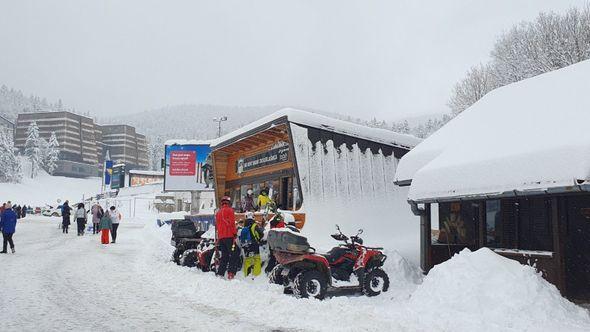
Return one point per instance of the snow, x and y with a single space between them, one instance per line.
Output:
354 189
75 283
527 136
326 123
47 189
481 290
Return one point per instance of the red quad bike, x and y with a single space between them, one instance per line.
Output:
306 273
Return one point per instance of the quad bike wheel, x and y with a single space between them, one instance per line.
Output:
55 214
310 283
176 255
275 276
375 282
189 258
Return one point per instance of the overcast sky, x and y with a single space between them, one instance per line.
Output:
388 59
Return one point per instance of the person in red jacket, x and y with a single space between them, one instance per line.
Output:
225 227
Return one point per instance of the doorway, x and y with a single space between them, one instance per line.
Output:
578 248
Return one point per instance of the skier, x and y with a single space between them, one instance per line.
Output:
248 202
80 216
225 227
105 225
8 227
115 217
65 214
97 213
263 199
250 237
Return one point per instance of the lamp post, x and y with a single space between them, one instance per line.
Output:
219 121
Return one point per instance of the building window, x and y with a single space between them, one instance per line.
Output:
458 223
493 224
519 224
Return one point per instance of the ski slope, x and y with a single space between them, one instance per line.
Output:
47 189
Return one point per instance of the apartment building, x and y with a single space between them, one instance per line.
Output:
125 146
6 126
83 143
75 134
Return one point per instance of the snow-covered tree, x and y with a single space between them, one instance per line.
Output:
33 149
155 152
51 154
551 42
10 167
479 81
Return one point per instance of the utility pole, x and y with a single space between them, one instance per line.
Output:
219 121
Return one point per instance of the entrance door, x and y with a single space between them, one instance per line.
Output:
284 204
578 248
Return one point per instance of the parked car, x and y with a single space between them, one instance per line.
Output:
50 211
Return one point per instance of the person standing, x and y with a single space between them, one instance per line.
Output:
105 225
65 214
97 213
115 217
226 232
8 227
18 211
80 216
250 237
248 202
263 199
24 211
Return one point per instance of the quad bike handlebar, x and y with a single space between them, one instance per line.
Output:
353 239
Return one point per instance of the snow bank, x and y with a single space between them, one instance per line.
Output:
525 136
483 290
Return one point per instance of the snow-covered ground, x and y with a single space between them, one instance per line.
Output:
47 189
65 282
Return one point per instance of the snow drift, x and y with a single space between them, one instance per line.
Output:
484 290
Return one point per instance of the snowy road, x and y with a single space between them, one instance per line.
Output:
59 282
65 282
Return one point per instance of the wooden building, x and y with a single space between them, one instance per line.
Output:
510 173
298 155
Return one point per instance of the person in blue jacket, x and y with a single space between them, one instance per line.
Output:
8 226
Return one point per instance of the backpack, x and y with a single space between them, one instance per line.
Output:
245 236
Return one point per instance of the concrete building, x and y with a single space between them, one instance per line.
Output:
75 135
6 126
83 143
125 146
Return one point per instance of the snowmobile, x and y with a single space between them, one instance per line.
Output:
186 236
306 273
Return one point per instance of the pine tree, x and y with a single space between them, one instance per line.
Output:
51 154
10 167
32 148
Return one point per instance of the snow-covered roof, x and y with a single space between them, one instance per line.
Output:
187 142
527 136
142 172
319 121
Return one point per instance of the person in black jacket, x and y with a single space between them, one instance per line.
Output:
65 214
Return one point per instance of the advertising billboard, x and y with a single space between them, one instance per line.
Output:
186 167
118 178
